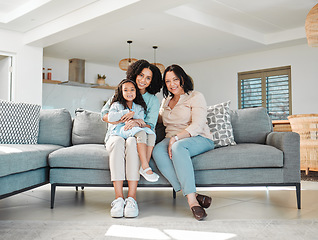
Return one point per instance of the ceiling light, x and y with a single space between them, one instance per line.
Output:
124 63
159 65
311 27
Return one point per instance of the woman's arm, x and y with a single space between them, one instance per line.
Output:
198 117
152 113
179 136
198 114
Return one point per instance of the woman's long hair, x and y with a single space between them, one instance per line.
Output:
136 68
186 81
118 97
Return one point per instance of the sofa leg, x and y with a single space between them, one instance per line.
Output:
298 194
53 188
174 194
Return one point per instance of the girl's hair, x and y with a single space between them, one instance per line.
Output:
136 68
186 81
118 97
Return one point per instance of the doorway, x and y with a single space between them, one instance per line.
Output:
6 77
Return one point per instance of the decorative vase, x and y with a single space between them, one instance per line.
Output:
101 81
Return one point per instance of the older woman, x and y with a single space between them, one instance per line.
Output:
183 113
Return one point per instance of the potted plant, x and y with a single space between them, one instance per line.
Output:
101 79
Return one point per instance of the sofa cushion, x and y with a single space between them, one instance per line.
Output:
90 156
244 155
250 125
78 176
219 122
19 122
88 128
16 158
55 127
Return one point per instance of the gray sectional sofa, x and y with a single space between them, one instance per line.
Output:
74 155
25 166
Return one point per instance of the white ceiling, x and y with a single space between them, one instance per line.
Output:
185 31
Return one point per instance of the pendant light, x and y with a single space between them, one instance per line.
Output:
311 27
124 63
159 65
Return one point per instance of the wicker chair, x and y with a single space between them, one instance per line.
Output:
306 125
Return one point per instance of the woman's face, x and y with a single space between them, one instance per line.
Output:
143 80
173 84
129 91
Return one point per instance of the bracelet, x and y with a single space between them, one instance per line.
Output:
176 137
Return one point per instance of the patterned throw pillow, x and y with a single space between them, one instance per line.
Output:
219 122
19 123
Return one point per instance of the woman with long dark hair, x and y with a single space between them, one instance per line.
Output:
123 156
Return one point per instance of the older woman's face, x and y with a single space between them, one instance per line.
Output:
143 80
173 84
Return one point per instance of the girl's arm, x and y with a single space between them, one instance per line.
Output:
105 119
105 111
137 120
116 112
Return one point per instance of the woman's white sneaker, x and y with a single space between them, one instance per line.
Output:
131 208
117 210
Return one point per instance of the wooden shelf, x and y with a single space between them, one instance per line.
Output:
106 87
51 81
58 82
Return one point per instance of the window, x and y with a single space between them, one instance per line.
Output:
269 88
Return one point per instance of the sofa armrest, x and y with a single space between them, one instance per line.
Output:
289 143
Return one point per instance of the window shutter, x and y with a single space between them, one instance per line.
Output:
251 92
269 88
277 95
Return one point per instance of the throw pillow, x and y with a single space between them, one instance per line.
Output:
251 125
219 122
88 128
55 127
19 122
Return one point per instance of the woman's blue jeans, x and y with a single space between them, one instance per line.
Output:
179 170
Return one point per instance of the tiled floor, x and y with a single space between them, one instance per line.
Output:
157 205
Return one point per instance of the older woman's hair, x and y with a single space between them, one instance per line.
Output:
136 68
186 81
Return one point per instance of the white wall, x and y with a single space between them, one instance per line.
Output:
70 97
27 67
217 79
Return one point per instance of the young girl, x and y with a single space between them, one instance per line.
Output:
128 104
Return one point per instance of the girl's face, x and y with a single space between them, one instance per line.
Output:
143 80
173 83
129 91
